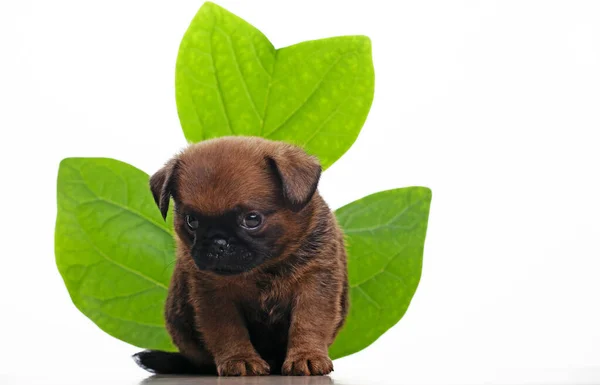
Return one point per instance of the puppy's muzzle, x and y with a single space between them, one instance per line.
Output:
219 250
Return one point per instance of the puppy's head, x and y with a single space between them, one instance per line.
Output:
238 201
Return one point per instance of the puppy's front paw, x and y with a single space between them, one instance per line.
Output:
307 364
251 366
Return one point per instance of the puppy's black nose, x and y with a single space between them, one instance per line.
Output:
222 242
218 246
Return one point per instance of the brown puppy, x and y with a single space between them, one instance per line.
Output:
260 283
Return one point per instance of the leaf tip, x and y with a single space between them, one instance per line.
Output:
65 161
425 192
209 4
68 163
213 8
361 42
365 40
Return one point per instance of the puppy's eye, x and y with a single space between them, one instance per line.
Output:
252 220
191 221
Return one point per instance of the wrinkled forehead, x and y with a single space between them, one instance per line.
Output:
215 185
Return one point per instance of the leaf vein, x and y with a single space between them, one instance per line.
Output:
106 257
267 96
389 223
153 325
368 297
125 208
258 57
239 70
124 296
312 93
219 91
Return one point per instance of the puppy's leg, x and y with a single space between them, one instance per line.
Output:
180 321
315 316
192 358
226 337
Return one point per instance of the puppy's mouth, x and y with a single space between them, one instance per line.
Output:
229 270
225 269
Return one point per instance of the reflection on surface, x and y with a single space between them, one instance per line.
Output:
251 380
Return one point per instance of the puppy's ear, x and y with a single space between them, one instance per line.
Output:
298 174
162 184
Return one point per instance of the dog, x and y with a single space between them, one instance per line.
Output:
260 284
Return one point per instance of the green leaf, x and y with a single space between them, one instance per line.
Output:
116 254
230 80
385 235
113 249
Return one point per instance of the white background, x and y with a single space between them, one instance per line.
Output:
493 105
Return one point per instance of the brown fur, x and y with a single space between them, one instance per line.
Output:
281 315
